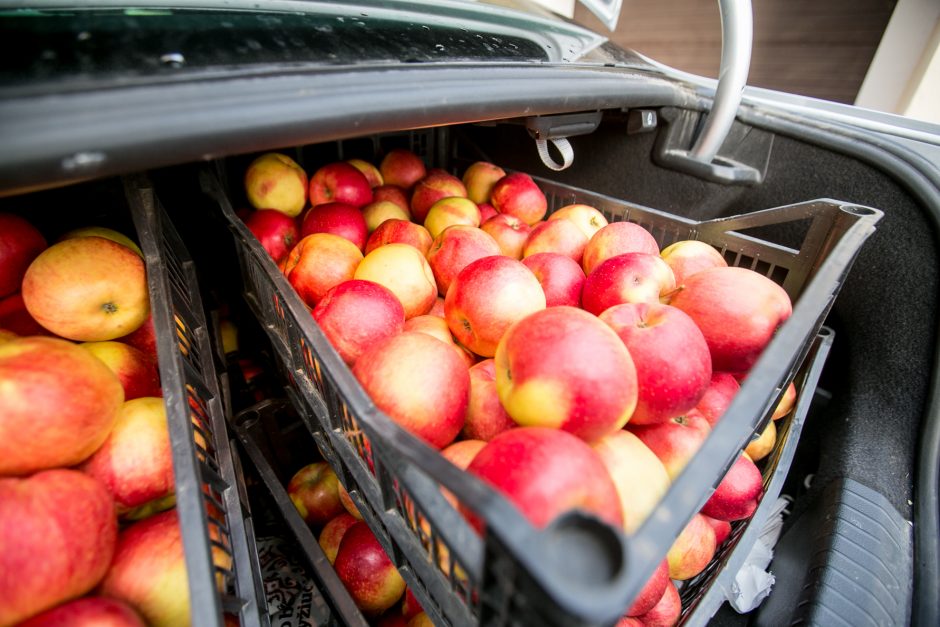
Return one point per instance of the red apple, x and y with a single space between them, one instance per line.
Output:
561 367
88 289
692 550
674 441
378 211
59 403
356 314
404 271
673 365
15 317
627 278
460 454
486 298
722 528
687 257
20 243
366 571
438 308
88 612
640 478
561 278
434 410
454 249
737 495
333 532
479 179
314 492
585 217
275 181
337 218
486 417
402 168
547 472
556 236
319 262
615 239
410 607
738 311
372 174
135 463
400 231
143 339
666 612
718 396
148 571
518 195
59 530
339 182
437 184
509 232
652 591
393 194
277 232
136 372
449 211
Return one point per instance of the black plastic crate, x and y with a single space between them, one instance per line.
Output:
213 512
577 571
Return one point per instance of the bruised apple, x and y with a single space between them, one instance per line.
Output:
562 367
59 404
673 365
275 181
88 289
547 472
356 314
738 311
403 270
434 410
486 298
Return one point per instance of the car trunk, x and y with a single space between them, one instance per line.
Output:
164 151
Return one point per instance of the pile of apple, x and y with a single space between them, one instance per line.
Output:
586 364
88 532
363 567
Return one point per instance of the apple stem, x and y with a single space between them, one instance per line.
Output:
665 298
